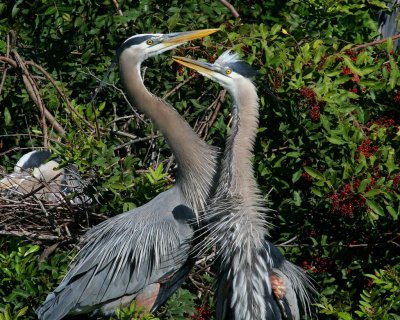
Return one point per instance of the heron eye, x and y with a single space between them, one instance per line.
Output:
228 71
149 42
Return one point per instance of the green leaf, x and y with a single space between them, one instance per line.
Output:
392 212
335 140
7 116
372 193
376 207
32 249
314 173
344 316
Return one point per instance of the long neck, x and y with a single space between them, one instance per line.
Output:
196 160
241 242
238 154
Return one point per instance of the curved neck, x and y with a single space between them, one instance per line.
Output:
196 160
239 149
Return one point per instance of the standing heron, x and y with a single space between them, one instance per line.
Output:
34 174
255 282
142 254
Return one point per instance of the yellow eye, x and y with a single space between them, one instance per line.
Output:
228 71
149 42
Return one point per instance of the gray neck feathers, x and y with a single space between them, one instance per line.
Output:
196 160
237 179
238 227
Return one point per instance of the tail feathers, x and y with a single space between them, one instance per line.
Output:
57 305
170 286
239 297
299 288
64 300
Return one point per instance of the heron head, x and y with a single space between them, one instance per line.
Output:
228 69
147 45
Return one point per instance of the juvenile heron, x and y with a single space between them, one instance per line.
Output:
34 174
255 281
142 254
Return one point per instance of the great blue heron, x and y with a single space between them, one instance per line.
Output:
142 254
34 174
255 281
388 23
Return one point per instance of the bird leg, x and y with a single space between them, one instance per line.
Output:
147 297
278 286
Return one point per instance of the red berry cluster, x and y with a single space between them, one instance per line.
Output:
346 71
315 113
315 109
396 181
318 265
396 97
346 201
367 148
383 122
203 313
352 54
306 177
277 79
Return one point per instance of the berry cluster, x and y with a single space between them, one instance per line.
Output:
306 177
367 148
346 71
383 121
346 201
352 54
315 109
396 181
396 97
318 265
203 313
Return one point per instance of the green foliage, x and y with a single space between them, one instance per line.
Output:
24 281
326 154
380 301
180 305
133 313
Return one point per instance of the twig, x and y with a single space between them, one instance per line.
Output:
171 92
116 4
231 8
60 92
3 79
137 140
28 235
33 92
373 43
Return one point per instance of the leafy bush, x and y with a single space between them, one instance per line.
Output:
24 280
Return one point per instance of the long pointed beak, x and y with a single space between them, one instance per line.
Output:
177 38
202 67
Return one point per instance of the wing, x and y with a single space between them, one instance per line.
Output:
123 255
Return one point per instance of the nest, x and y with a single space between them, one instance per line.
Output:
32 215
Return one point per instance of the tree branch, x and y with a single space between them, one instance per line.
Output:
231 8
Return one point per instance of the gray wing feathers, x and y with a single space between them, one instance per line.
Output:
120 257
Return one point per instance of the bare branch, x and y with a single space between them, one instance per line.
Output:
231 8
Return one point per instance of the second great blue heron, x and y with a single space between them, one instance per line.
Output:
255 282
142 254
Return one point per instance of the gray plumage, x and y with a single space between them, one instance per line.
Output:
143 252
388 23
236 214
34 174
